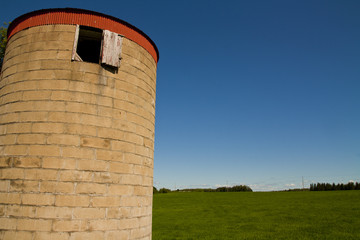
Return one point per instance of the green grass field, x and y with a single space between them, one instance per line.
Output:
257 215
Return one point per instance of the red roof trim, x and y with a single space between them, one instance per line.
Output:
74 16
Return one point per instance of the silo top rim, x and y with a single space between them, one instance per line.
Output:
89 18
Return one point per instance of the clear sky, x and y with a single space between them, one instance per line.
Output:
260 93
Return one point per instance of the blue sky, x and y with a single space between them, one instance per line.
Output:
248 92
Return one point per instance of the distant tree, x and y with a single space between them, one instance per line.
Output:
351 186
209 190
332 187
240 188
164 190
221 189
155 190
237 188
3 41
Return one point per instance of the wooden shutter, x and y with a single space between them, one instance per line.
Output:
73 56
111 48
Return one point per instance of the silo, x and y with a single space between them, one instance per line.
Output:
77 114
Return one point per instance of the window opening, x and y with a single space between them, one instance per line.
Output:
97 46
88 44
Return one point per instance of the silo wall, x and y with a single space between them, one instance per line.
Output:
76 139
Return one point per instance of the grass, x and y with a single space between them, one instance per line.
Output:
257 215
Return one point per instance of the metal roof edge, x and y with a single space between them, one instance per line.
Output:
21 18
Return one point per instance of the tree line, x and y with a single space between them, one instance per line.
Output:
3 41
237 188
161 190
333 187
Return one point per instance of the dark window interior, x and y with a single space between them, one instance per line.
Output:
89 44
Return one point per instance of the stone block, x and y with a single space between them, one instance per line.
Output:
106 201
21 211
51 235
74 152
34 225
24 186
58 163
103 224
31 139
69 226
91 188
10 235
8 223
89 213
41 174
48 128
119 167
56 187
72 201
63 139
50 212
92 165
10 198
37 199
95 142
44 150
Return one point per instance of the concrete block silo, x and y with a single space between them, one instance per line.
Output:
77 115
